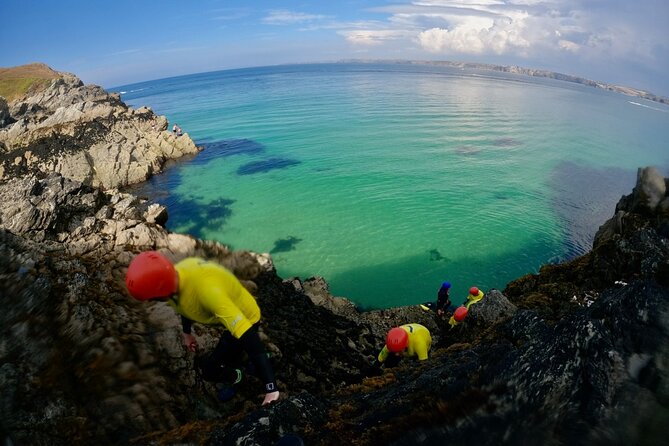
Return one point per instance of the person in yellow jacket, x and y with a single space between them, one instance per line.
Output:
405 341
207 293
475 295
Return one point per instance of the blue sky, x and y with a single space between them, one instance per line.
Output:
118 42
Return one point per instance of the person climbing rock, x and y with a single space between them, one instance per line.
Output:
443 303
405 341
207 293
475 295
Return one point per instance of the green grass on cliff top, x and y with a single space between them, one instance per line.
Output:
17 82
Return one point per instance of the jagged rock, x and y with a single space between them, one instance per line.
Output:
4 112
318 291
156 214
493 308
649 191
267 426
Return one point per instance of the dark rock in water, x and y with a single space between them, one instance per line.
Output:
577 354
467 150
435 256
266 165
229 147
285 244
506 142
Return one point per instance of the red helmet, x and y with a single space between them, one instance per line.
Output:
474 291
460 314
397 339
150 275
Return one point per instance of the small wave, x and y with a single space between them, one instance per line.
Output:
123 92
647 106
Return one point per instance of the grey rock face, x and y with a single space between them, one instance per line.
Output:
87 135
650 190
4 112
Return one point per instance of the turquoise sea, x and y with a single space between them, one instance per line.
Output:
389 179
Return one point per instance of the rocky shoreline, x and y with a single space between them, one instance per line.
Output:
577 354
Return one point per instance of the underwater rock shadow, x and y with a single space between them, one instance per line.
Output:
467 150
285 244
196 217
226 148
266 165
506 142
435 256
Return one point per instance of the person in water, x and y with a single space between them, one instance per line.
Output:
405 341
207 293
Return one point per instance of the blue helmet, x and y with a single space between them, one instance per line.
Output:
446 285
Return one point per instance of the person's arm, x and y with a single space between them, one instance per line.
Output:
187 337
255 349
375 368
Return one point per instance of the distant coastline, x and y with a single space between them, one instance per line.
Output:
513 69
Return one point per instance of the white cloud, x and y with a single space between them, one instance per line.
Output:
569 45
284 17
476 36
373 37
522 28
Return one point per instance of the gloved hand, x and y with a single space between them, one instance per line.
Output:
375 369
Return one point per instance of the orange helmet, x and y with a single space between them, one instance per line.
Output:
474 291
150 275
460 314
397 339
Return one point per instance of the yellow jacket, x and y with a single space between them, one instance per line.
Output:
471 299
419 343
210 294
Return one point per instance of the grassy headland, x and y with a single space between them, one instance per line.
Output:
25 80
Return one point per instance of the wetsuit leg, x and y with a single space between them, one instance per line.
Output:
222 364
256 351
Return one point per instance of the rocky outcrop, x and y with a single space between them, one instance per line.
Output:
4 112
86 134
577 354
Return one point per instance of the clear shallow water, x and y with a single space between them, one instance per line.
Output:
389 179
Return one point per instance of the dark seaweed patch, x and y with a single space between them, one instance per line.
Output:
266 165
435 256
285 244
228 147
467 150
506 142
195 216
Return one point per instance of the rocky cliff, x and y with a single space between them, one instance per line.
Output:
577 354
84 133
